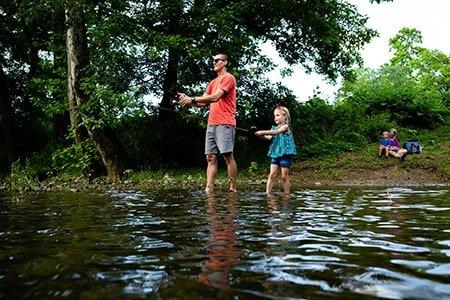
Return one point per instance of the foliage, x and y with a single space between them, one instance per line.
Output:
22 178
413 88
76 159
312 120
325 147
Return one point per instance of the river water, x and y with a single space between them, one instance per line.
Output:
318 244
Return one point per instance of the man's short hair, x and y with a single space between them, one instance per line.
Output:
223 55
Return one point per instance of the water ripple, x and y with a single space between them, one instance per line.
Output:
393 285
136 281
428 267
390 246
300 280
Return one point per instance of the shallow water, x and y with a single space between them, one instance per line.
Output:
318 244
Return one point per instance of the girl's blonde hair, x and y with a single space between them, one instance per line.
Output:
285 112
394 131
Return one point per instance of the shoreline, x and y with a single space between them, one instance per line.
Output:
349 170
298 182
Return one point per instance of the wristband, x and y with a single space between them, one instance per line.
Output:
193 100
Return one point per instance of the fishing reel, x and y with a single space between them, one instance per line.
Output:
175 98
250 132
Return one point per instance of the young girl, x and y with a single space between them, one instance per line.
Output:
394 146
281 150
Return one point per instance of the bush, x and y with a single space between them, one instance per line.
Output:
76 159
393 91
325 147
312 120
22 177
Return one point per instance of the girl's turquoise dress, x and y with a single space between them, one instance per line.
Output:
282 144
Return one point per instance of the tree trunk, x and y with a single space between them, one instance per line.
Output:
105 140
170 78
7 118
169 85
61 121
111 151
77 59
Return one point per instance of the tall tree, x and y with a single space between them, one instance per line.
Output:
77 60
180 36
7 118
411 89
104 138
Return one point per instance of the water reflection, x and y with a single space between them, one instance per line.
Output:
221 245
328 243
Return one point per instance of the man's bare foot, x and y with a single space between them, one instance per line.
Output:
233 186
209 189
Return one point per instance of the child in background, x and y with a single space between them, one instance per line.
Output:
281 150
394 146
383 145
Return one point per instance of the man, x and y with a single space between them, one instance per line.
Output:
221 96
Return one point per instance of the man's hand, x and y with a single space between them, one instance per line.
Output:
184 99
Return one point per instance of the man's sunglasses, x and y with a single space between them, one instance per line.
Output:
216 60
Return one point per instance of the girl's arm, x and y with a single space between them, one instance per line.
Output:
267 134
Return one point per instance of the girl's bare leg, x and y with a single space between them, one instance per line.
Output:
271 178
402 153
286 182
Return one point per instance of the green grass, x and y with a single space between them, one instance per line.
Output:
435 158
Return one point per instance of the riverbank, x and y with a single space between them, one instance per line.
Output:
430 168
363 168
326 172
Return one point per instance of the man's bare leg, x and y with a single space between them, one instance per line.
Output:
211 172
232 170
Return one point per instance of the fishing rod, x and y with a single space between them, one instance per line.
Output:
174 100
175 97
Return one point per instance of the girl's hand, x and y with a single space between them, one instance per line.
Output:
259 133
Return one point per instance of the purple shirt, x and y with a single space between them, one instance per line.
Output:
394 144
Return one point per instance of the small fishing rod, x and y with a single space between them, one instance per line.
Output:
251 130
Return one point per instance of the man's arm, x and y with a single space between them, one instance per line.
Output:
202 100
